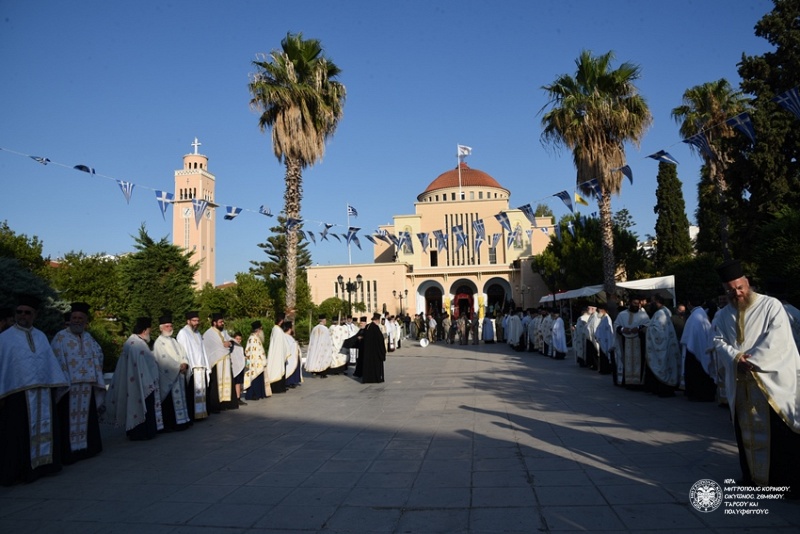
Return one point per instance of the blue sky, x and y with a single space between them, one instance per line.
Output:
126 87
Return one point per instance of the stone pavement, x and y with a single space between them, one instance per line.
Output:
459 439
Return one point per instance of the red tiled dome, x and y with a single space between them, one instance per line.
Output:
470 178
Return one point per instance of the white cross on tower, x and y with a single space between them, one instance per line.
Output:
196 144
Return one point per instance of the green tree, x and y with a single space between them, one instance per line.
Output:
277 250
18 279
594 114
672 225
87 278
770 170
28 250
777 256
158 277
704 111
301 101
249 297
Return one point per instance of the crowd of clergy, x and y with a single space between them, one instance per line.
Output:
54 396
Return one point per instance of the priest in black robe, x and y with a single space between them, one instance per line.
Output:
374 352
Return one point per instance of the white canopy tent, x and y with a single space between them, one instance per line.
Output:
664 285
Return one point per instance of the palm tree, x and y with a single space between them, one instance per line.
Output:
299 99
594 114
705 109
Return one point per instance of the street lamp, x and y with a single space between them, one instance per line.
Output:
350 287
401 294
523 291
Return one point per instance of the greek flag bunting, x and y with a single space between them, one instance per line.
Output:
292 224
479 228
357 242
461 238
502 218
164 199
339 239
84 168
527 210
571 229
566 198
408 242
43 161
626 170
496 239
663 155
557 228
424 240
127 189
351 232
478 241
512 237
371 239
744 124
312 237
700 142
324 235
790 101
529 233
264 210
199 209
231 212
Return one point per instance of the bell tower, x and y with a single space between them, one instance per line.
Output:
192 229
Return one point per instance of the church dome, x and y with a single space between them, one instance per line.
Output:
470 178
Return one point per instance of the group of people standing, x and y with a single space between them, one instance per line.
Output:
53 395
331 350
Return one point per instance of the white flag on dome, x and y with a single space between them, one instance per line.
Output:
464 151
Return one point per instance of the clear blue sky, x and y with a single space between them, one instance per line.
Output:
125 88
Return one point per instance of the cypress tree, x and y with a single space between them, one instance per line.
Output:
672 225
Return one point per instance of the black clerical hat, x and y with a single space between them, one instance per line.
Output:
142 324
217 316
730 270
192 315
255 325
165 319
81 307
28 300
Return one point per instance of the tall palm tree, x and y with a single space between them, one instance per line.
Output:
705 108
594 114
299 99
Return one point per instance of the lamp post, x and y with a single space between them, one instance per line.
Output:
350 287
523 291
401 294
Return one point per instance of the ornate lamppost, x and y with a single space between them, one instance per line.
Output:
401 294
350 287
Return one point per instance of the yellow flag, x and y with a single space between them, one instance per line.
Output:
580 200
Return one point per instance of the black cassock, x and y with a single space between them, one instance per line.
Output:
374 354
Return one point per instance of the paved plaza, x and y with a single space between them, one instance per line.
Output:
475 439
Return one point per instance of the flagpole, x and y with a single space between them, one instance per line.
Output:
458 158
349 259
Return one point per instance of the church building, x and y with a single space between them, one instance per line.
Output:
454 273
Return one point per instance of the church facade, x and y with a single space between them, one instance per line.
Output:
477 278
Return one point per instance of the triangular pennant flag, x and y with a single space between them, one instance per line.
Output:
502 218
292 223
790 101
461 238
164 200
324 235
496 239
478 241
512 237
301 234
566 198
371 239
231 212
357 242
744 124
571 228
580 200
43 161
529 233
700 142
351 232
127 189
626 170
545 230
663 155
84 168
199 209
264 210
479 228
557 228
527 210
408 242
592 185
441 240
339 239
312 236
424 240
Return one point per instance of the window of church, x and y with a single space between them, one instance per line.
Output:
434 258
493 256
480 195
437 198
472 195
452 196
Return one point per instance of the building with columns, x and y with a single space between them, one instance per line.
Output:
470 279
195 183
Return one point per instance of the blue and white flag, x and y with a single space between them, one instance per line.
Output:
264 210
496 239
558 231
339 239
744 124
424 240
312 237
502 218
127 189
292 224
478 241
464 151
164 199
231 212
527 210
371 239
406 241
529 233
324 235
351 233
461 237
479 229
790 101
566 198
351 211
199 209
43 161
357 242
545 230
626 170
571 229
700 142
592 185
511 238
441 240
663 155
84 168
301 234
